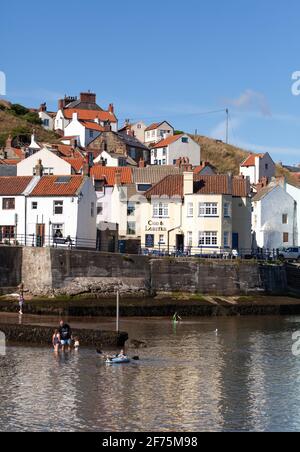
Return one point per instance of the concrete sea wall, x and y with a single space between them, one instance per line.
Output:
53 272
42 335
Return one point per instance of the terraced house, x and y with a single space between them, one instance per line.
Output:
197 214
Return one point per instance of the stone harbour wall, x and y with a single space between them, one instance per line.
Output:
54 272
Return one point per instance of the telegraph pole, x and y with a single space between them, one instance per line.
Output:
227 125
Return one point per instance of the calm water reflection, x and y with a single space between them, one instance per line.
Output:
189 379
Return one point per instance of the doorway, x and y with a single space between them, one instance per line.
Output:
180 242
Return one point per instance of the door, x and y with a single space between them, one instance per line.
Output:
235 241
40 235
180 242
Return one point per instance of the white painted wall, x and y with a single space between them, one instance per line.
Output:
50 162
176 150
60 123
267 220
43 115
156 135
294 192
76 219
264 167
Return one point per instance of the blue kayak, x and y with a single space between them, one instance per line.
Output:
118 360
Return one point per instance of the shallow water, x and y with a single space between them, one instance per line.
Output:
243 378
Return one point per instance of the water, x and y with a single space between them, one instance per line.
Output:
243 378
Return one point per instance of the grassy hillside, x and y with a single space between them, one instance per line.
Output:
226 158
19 122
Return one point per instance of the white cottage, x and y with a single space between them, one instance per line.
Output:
52 164
172 148
258 167
274 217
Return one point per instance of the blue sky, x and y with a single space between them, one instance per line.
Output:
164 59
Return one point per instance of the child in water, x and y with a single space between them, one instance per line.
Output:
56 341
76 344
21 304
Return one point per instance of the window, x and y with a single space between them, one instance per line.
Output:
91 134
143 187
92 209
46 171
7 232
285 237
189 238
284 218
131 228
227 210
99 185
266 166
100 208
184 140
46 122
8 203
164 162
149 240
132 153
208 238
164 152
34 205
58 231
130 208
58 207
190 210
139 126
160 210
226 239
153 133
208 209
161 239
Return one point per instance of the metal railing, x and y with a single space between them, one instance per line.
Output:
40 241
258 254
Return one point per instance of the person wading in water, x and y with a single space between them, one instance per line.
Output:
65 333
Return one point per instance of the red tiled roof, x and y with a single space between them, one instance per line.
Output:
218 184
49 186
198 169
240 187
93 126
89 115
167 141
76 163
99 172
67 138
14 185
250 160
153 126
203 185
67 150
9 161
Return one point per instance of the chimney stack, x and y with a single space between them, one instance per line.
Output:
43 107
118 178
107 126
89 98
61 104
188 183
39 169
111 109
